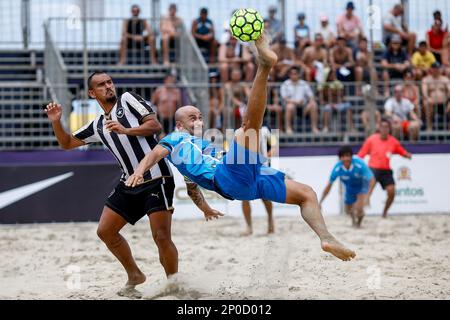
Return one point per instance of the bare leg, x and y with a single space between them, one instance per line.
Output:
160 224
358 209
349 211
165 49
269 209
290 109
390 190
248 217
108 231
123 50
306 198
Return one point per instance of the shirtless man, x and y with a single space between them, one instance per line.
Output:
286 59
233 54
238 94
167 99
171 26
315 59
436 93
341 59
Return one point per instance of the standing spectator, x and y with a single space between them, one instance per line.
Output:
364 70
167 99
273 25
411 90
215 102
405 121
381 146
435 39
341 60
171 27
331 97
393 25
136 33
297 93
234 54
327 33
436 93
437 15
315 59
349 26
286 59
446 55
422 60
301 32
203 33
237 93
394 63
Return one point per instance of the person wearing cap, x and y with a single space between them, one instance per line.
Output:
203 33
301 32
349 26
273 25
286 59
435 93
394 63
171 27
422 60
393 24
325 30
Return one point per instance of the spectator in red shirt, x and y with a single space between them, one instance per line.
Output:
435 39
381 147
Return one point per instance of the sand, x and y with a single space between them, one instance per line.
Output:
403 257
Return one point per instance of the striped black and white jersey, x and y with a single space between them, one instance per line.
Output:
130 111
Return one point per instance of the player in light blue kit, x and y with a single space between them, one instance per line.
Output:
357 178
240 173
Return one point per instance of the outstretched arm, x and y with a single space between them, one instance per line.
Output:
146 163
325 192
197 197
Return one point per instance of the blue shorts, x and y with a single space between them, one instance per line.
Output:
351 194
242 176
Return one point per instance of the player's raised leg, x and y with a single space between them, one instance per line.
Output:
256 106
108 230
305 197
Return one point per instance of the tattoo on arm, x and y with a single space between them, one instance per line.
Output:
195 194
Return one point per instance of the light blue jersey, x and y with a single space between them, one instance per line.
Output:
356 179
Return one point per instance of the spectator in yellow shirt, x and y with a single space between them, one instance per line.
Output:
422 60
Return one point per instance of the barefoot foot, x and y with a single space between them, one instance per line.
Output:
338 250
264 55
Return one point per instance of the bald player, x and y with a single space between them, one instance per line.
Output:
240 173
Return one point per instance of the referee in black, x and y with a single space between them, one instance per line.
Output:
128 129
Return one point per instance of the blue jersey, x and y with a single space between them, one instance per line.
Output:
354 178
194 157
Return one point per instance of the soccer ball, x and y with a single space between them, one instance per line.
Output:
246 24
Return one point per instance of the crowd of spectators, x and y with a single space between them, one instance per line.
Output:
318 71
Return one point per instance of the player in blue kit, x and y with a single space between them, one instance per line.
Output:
240 173
357 178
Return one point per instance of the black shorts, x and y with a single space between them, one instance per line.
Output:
384 177
134 203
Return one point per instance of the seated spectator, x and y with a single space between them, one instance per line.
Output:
171 27
203 33
215 102
286 59
167 99
274 110
435 39
341 60
437 15
349 26
364 70
136 34
315 59
273 25
234 54
393 25
411 90
237 94
327 33
301 32
446 55
297 93
394 63
405 122
331 97
436 93
422 60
